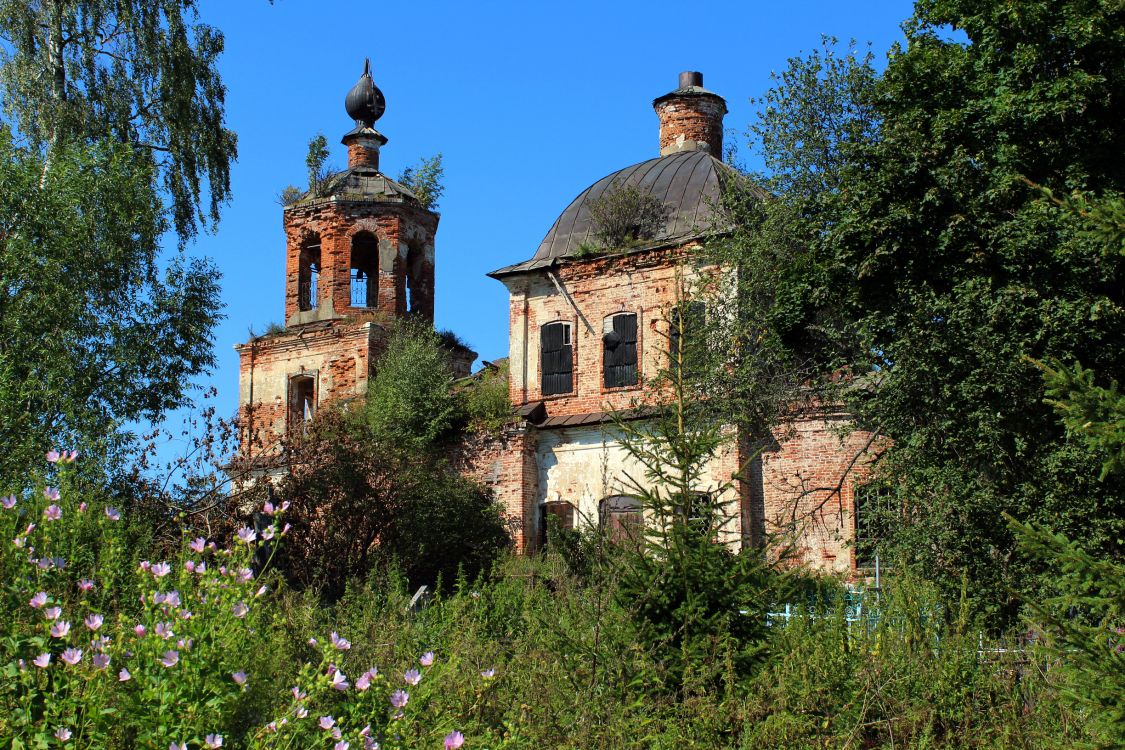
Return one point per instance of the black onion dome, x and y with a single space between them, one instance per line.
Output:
688 183
365 103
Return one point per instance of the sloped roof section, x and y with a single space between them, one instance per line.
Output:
689 183
361 184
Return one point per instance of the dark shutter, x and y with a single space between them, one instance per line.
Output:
556 360
620 352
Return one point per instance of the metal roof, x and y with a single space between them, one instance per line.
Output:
689 183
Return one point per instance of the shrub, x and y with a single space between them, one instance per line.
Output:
624 214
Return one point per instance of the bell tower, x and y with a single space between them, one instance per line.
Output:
359 257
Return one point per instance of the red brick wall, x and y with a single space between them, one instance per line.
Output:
336 354
403 232
505 463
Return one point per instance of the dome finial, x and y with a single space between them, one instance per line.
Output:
365 103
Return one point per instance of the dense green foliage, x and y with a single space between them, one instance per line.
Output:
374 487
928 266
112 134
93 333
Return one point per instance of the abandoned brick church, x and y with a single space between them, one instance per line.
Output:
585 331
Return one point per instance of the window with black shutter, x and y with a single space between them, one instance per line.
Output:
556 361
619 344
685 329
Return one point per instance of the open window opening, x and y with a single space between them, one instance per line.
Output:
307 275
685 336
556 358
364 270
416 293
302 403
622 519
619 345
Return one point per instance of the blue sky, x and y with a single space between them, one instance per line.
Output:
529 103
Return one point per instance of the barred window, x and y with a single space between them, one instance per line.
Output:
302 403
619 346
307 273
364 270
556 359
874 518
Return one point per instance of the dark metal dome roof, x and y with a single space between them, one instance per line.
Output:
689 183
365 103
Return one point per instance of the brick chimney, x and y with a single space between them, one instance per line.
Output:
691 118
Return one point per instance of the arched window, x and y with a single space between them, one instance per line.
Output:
621 517
302 403
556 359
619 348
364 270
307 274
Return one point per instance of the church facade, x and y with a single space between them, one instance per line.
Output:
587 332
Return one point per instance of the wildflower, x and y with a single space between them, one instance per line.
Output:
286 528
198 545
341 745
363 682
301 712
52 613
339 681
71 656
62 734
170 658
112 513
60 629
100 643
327 722
201 569
185 614
312 641
427 659
370 744
239 677
239 610
261 590
488 674
19 541
213 741
268 508
53 457
185 644
93 622
298 694
8 502
42 661
475 595
267 534
123 675
139 630
38 600
412 677
82 507
178 746
247 535
189 566
164 630
85 585
172 598
51 493
161 569
58 562
44 563
399 698
454 740
245 575
101 661
52 513
341 644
